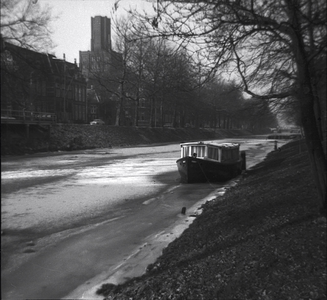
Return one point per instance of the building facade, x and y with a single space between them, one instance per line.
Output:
39 82
102 68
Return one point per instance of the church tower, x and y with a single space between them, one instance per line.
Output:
102 68
99 59
100 34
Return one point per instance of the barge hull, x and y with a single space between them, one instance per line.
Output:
193 170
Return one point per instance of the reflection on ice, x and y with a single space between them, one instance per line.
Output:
31 173
122 171
136 171
87 191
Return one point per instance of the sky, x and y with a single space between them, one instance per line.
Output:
72 28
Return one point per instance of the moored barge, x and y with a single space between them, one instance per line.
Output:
210 161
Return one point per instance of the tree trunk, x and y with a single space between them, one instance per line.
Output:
306 97
117 121
311 131
120 106
162 117
183 118
152 113
174 117
315 148
136 114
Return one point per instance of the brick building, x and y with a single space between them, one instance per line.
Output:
39 82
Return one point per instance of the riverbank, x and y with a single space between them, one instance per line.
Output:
68 137
48 199
264 239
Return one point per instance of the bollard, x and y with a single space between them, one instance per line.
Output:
184 210
276 145
243 157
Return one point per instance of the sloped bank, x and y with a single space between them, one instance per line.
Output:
264 239
67 137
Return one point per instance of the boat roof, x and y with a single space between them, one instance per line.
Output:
212 143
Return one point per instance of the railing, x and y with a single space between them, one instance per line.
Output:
28 116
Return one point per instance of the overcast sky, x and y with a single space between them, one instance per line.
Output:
72 29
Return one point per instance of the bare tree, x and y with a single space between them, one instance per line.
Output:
277 48
134 46
149 66
25 23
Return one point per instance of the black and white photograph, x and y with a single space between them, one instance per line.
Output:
171 150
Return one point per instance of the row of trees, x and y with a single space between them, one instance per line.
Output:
165 82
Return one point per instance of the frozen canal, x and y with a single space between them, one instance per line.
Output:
74 220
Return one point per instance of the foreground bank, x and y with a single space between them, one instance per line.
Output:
264 239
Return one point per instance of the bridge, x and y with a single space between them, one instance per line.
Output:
9 116
26 118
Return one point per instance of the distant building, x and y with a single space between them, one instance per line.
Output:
100 34
102 68
33 81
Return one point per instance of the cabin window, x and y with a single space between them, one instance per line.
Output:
190 150
213 153
199 150
185 151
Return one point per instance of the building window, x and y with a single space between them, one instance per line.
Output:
213 153
142 103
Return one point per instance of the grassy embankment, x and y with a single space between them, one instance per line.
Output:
67 137
264 239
